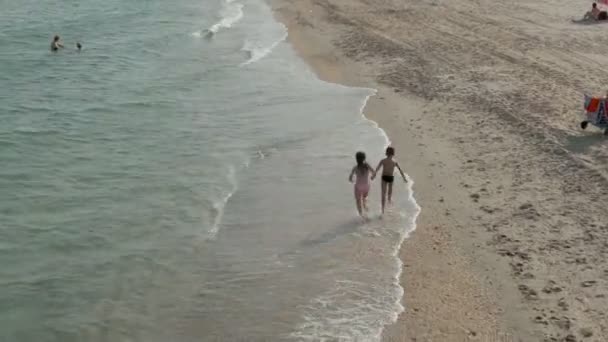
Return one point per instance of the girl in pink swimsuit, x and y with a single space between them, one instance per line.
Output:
363 171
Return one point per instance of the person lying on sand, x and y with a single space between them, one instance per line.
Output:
595 14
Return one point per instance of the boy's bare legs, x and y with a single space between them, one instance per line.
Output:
383 196
390 193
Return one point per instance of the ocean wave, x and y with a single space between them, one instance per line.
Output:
257 51
409 215
220 204
359 310
231 13
34 130
351 311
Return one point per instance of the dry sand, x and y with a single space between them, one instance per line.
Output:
482 100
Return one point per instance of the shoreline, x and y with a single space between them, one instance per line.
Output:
506 248
411 224
410 227
335 71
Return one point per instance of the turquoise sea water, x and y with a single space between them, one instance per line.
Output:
182 178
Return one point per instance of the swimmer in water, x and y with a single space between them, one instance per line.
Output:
56 44
79 46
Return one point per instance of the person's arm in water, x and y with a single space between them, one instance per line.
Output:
401 171
352 173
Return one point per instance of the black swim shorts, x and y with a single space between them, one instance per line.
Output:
388 179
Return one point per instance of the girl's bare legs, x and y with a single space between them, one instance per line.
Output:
383 187
358 202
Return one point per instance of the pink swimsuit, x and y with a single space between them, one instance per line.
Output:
362 184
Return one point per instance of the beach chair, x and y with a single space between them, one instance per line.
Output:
595 113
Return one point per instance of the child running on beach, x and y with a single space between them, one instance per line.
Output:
363 171
388 165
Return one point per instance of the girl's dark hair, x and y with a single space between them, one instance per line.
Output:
361 164
390 151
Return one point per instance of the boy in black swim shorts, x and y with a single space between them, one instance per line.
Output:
388 165
388 179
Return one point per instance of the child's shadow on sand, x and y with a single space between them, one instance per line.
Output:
588 22
582 143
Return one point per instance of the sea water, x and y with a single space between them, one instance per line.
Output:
183 178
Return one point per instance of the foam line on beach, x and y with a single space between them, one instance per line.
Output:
335 313
231 14
220 205
255 52
410 221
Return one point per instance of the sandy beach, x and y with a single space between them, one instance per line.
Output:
482 101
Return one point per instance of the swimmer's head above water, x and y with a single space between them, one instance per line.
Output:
56 44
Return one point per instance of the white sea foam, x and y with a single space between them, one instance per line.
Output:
231 13
357 310
409 213
256 51
220 204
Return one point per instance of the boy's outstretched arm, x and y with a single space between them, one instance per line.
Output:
401 171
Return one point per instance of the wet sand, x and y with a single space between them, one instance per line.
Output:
482 101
